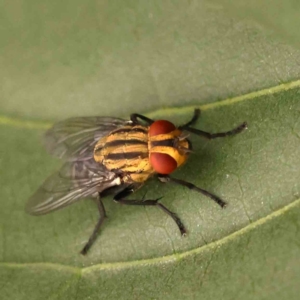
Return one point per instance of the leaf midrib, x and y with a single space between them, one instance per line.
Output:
21 123
163 259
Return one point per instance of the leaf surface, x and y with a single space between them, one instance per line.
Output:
67 59
256 172
280 18
62 59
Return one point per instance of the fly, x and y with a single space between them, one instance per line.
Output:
111 156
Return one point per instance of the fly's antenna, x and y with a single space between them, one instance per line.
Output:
185 150
183 136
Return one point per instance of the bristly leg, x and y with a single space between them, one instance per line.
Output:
134 118
166 178
97 227
194 119
120 198
208 135
211 136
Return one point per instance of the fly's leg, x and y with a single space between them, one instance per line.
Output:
211 136
134 118
208 135
120 198
97 227
194 119
165 178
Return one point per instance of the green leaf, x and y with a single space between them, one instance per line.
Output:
81 56
103 58
280 18
253 243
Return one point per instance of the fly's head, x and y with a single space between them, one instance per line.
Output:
169 147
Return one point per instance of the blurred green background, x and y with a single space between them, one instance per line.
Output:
238 61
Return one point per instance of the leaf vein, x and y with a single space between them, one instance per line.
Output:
163 259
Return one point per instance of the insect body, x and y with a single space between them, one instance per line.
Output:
113 156
138 151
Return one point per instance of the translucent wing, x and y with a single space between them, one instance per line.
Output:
75 138
74 181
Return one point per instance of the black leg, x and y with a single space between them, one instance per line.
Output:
120 198
134 118
164 178
211 136
97 227
193 120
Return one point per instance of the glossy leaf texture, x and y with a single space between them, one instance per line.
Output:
81 56
253 242
279 18
162 59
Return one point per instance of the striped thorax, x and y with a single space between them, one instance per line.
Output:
137 152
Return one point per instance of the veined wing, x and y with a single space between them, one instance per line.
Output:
74 181
75 138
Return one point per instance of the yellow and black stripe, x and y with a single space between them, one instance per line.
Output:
171 144
126 150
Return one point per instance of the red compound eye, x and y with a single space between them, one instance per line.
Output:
162 163
161 127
